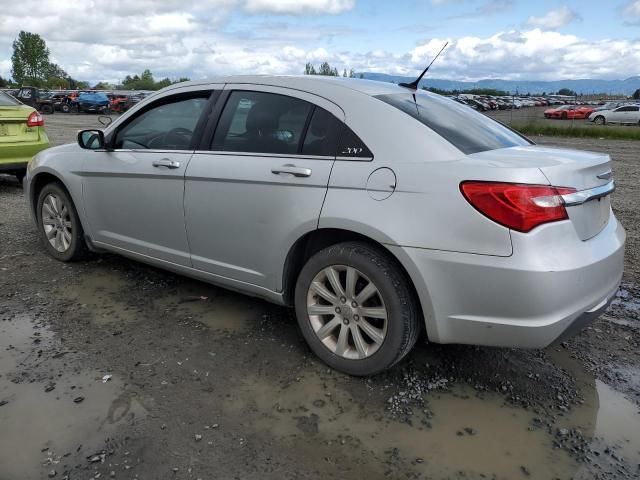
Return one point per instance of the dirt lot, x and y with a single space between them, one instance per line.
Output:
112 369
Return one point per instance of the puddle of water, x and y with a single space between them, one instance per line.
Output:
618 422
497 442
103 295
606 415
100 294
34 419
216 308
627 300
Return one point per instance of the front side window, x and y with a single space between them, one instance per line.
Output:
167 126
260 122
467 130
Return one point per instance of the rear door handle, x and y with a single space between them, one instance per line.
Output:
165 162
292 170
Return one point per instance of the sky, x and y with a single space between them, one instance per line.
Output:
105 40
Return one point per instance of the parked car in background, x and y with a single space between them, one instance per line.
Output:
119 103
35 98
22 135
614 105
565 112
294 189
62 102
91 103
625 115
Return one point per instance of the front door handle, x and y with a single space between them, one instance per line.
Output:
292 170
165 162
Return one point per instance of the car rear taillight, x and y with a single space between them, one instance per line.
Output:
35 120
517 206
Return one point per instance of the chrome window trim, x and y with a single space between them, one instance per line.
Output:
146 150
354 159
268 155
583 196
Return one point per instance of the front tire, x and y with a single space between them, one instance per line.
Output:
356 308
599 120
59 224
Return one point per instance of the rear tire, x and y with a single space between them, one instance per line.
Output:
47 109
353 330
59 224
65 108
20 174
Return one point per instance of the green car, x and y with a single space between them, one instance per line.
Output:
22 135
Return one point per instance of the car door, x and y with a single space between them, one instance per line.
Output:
133 193
617 115
259 182
630 114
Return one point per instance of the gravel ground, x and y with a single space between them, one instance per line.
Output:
112 369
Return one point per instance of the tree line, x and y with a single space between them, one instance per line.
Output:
328 71
31 65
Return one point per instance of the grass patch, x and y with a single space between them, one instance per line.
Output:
582 130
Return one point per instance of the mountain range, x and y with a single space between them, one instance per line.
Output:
581 86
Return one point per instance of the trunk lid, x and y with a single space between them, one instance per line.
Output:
565 168
13 125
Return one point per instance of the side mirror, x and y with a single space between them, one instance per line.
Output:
91 139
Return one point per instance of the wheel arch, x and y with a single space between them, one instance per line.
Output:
316 240
42 178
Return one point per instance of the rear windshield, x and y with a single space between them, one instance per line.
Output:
7 100
463 127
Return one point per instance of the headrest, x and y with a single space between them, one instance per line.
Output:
262 119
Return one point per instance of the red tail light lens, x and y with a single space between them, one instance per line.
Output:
35 120
520 207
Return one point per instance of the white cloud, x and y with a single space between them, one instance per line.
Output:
533 54
109 39
299 6
631 12
632 8
554 19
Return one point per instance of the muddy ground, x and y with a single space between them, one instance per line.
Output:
112 369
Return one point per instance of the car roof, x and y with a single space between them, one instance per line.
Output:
314 83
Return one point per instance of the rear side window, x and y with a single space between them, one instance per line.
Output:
322 136
350 145
259 122
467 130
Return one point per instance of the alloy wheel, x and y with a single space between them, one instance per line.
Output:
347 312
56 221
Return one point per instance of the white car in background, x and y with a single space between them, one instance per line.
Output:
627 115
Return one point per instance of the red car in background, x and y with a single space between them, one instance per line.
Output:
568 112
119 103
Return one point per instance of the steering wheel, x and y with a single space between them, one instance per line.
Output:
180 137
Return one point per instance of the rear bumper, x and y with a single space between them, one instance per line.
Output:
553 285
14 156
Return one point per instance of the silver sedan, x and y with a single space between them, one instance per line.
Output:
380 213
624 115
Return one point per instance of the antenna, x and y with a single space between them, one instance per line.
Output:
414 85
